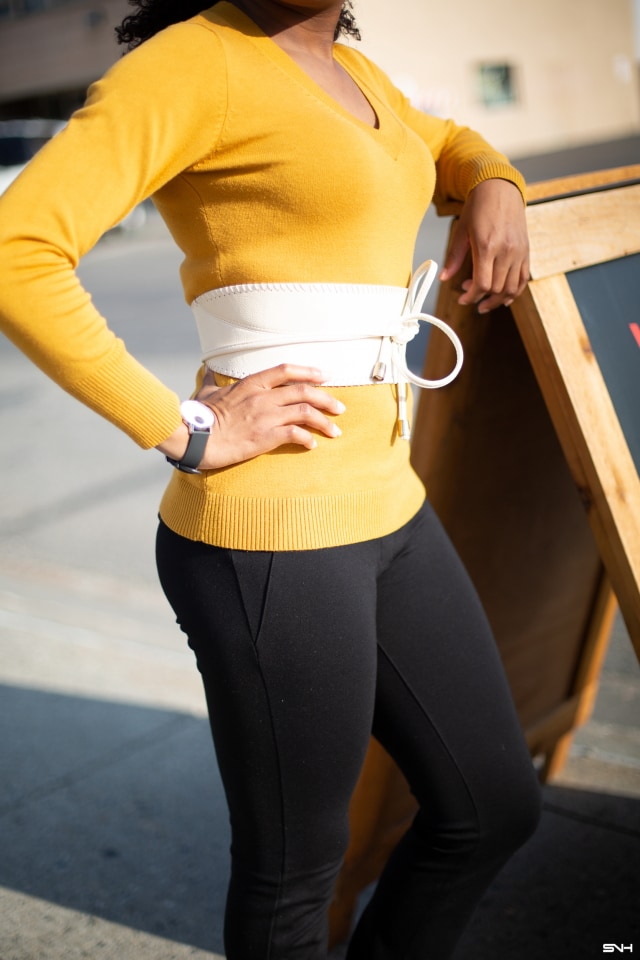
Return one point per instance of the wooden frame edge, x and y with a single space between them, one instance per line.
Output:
588 429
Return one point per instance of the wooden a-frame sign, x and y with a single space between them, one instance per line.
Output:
531 459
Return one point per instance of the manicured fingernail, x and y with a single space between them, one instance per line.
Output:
335 430
340 407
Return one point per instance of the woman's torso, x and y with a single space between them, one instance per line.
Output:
299 190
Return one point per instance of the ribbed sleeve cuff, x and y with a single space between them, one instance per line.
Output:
128 395
488 167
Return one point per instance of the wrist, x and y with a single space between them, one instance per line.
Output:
198 419
175 446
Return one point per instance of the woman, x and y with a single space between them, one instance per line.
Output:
319 593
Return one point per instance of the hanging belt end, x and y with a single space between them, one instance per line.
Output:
404 430
402 423
379 371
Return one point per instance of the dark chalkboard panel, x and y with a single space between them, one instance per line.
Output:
608 297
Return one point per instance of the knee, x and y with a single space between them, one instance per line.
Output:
514 817
494 823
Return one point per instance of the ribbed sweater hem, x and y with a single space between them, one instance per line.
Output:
292 523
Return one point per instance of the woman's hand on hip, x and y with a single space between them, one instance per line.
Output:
493 225
259 413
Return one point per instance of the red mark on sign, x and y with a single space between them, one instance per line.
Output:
635 330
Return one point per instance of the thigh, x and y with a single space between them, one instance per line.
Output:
443 706
286 646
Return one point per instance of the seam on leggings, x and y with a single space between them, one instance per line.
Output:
265 598
265 588
416 699
282 804
424 713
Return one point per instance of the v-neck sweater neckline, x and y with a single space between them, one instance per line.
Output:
388 132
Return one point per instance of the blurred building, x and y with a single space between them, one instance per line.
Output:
531 76
51 50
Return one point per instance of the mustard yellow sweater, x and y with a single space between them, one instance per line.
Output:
261 176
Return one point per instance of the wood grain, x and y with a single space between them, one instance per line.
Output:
586 423
568 234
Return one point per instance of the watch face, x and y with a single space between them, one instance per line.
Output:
197 415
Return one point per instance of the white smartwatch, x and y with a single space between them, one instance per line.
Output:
199 419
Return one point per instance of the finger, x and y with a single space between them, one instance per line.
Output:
305 393
292 433
306 415
504 293
456 255
500 287
221 451
481 282
288 373
251 421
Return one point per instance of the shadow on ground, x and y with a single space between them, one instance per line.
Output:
572 889
116 810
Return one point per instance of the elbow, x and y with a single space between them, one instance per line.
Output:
8 268
11 259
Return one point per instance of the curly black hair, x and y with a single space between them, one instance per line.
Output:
154 15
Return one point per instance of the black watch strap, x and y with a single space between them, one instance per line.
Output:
193 454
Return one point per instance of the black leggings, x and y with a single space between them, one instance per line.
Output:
304 655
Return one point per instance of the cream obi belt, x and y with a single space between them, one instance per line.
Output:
357 333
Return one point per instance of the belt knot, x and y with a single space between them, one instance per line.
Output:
393 346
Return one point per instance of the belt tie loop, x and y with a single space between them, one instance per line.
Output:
410 320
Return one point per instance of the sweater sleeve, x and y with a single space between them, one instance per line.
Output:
463 157
156 112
